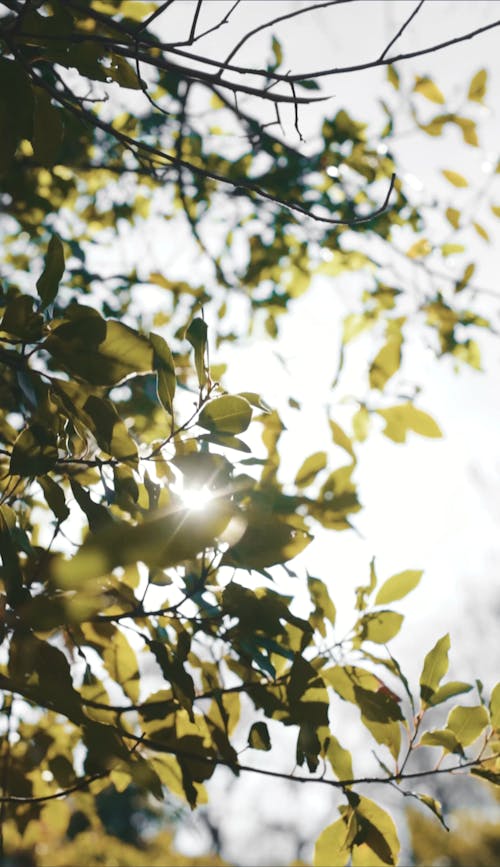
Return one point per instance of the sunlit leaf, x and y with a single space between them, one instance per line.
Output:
426 87
398 586
228 414
477 87
467 723
435 667
455 178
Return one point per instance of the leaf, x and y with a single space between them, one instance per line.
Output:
98 351
398 586
121 664
386 362
266 541
455 179
442 738
48 283
330 849
379 626
433 805
377 706
451 249
406 417
447 691
467 723
426 87
393 76
340 759
310 469
377 833
196 334
258 738
48 129
481 231
164 365
55 498
419 249
167 538
277 51
34 452
453 217
341 439
477 87
110 430
435 667
228 414
495 706
323 605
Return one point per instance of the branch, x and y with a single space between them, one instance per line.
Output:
402 28
73 104
84 783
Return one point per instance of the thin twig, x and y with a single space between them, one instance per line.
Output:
402 28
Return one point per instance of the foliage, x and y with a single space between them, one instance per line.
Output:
113 421
473 841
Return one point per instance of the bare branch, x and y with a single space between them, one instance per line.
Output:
402 28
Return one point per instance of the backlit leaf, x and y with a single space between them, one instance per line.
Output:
406 417
48 283
435 667
447 691
495 706
196 334
330 849
467 723
228 414
398 586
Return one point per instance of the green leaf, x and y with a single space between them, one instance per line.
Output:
48 283
406 417
377 833
34 452
398 586
447 691
377 706
98 351
310 469
266 541
164 365
19 319
442 738
258 738
48 129
495 706
110 430
196 334
379 626
455 178
226 415
55 498
323 605
433 805
330 849
467 723
426 87
477 87
435 667
388 734
10 571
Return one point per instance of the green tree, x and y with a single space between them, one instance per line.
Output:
116 425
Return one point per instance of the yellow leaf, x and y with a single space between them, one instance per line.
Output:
426 87
481 231
455 179
419 249
453 217
477 88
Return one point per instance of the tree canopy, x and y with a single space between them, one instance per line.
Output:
143 505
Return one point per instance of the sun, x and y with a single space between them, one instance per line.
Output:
196 499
